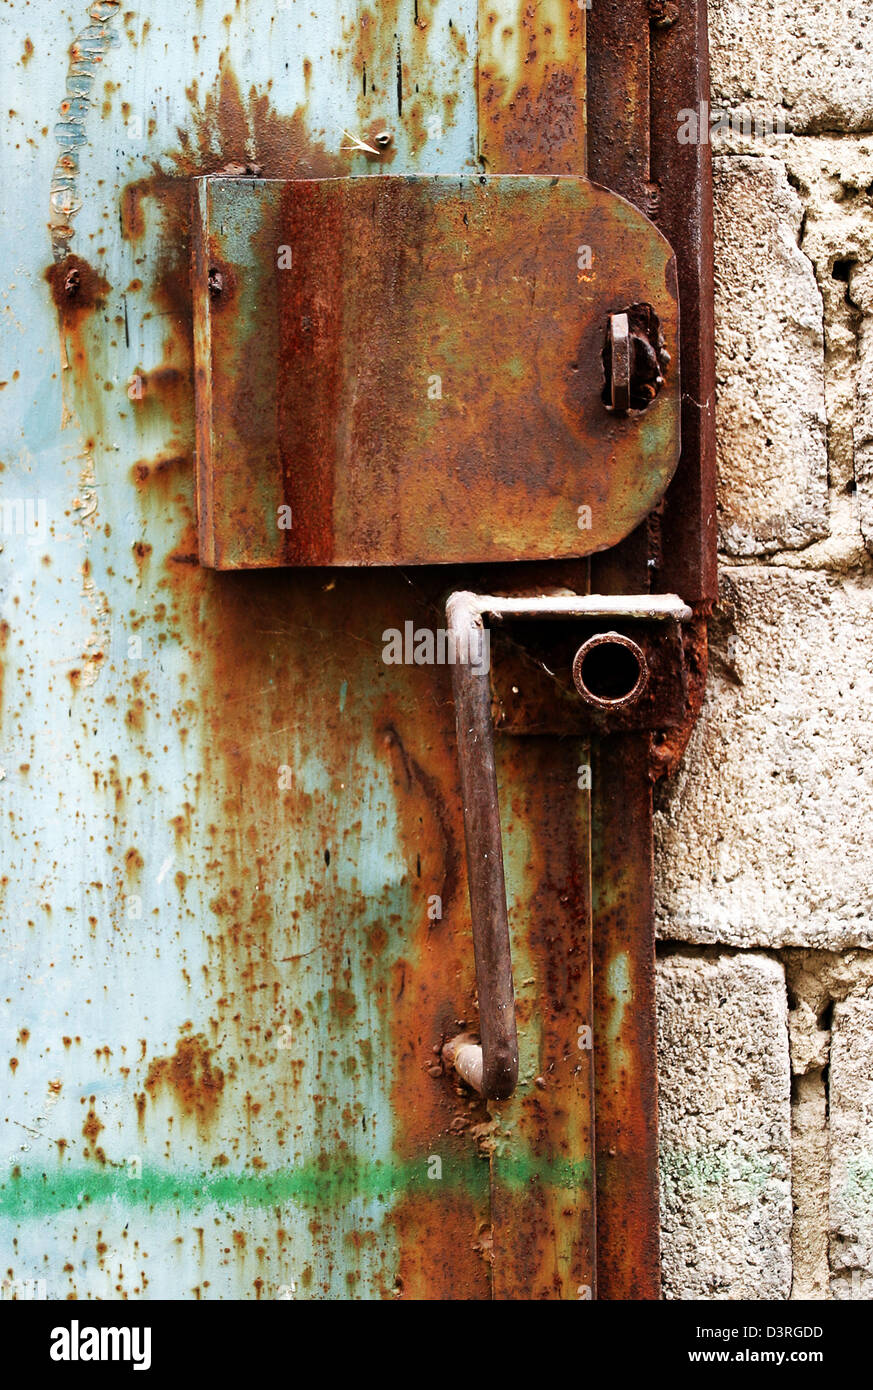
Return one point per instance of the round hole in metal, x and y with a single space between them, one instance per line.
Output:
610 670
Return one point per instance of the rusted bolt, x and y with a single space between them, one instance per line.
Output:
610 671
72 283
664 13
634 359
216 282
619 345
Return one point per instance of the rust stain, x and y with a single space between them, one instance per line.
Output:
145 470
134 862
669 745
624 1055
91 1130
531 87
132 216
192 1076
5 633
228 129
432 984
76 288
544 1234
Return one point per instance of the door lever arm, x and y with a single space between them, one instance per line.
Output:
491 1066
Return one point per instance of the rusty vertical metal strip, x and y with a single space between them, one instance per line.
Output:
540 1142
625 1059
639 79
235 337
618 157
646 62
683 175
626 1161
624 1021
531 87
532 119
618 97
439 1224
204 478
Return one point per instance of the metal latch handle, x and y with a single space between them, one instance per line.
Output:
490 1066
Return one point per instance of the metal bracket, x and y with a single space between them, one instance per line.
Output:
490 1066
419 376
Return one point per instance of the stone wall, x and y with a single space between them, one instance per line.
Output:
765 837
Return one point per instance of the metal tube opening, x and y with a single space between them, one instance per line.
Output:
610 670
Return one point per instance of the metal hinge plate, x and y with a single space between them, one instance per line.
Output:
411 370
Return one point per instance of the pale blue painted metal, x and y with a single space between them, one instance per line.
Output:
135 801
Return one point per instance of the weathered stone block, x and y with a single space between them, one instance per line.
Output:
851 1148
772 450
763 836
725 1127
810 61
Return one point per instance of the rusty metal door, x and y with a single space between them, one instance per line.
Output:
236 929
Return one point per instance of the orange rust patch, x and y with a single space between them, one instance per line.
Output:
191 1075
76 288
343 1003
668 745
135 716
377 939
132 219
133 861
93 1125
248 132
149 468
429 989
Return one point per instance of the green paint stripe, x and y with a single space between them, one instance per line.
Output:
31 1193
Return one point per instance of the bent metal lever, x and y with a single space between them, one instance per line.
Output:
490 1066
